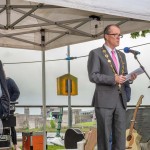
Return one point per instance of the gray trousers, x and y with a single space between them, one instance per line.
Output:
111 121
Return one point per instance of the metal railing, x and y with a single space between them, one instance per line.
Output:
84 106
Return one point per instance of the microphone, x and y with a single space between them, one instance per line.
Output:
128 50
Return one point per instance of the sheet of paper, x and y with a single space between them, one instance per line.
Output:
138 71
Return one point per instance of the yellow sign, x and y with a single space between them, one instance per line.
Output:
62 85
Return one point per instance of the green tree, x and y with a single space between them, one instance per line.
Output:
138 34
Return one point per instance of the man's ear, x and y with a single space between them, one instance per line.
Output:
105 37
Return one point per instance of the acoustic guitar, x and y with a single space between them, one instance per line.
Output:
132 137
91 139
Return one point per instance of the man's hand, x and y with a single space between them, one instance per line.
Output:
120 79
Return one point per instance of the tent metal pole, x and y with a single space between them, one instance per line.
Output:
25 15
8 13
43 86
69 92
61 35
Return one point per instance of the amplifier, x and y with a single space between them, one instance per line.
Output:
32 140
10 121
5 141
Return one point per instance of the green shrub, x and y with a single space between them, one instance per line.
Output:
53 124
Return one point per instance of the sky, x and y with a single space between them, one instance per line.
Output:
28 76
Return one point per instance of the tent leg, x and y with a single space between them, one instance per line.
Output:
43 86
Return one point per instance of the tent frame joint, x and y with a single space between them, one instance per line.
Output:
94 17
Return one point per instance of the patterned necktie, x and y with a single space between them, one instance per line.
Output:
115 60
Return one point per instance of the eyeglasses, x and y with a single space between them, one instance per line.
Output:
116 35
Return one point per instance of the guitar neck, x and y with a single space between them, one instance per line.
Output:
133 121
134 115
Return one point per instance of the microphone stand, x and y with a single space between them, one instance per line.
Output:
142 67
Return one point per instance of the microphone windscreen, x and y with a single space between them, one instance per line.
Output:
126 49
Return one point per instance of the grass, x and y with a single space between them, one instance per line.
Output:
55 147
87 124
84 126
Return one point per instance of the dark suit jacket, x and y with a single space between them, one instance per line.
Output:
106 92
4 102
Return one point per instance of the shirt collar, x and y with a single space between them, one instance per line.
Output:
109 49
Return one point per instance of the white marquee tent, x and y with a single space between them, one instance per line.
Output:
46 24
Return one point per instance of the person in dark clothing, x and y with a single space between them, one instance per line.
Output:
14 95
4 95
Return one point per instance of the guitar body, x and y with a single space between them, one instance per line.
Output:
133 141
132 137
72 136
91 139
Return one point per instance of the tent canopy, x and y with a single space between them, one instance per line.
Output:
25 24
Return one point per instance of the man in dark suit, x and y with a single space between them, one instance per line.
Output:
107 69
4 95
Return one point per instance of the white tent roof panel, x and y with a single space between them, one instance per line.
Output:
22 21
129 8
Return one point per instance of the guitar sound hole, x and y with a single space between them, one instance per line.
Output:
129 137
